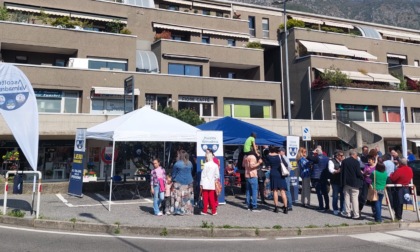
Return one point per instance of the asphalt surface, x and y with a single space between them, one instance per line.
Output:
93 208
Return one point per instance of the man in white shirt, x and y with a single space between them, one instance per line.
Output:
334 167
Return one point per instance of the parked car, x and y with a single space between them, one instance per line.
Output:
415 166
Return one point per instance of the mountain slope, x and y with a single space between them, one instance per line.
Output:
401 13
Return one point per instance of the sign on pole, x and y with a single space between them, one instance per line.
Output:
306 133
76 175
292 150
129 89
213 140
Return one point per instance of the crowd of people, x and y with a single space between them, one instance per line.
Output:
350 179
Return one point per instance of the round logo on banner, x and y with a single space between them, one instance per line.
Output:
213 147
12 101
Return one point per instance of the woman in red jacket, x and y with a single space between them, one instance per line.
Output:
403 175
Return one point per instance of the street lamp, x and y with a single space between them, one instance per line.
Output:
286 59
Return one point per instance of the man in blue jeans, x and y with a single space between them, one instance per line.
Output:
251 163
319 179
334 167
289 167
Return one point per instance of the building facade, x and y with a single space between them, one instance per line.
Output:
215 57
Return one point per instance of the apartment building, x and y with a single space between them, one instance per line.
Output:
216 57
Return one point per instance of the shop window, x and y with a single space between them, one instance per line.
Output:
51 101
203 106
247 108
391 114
347 113
110 105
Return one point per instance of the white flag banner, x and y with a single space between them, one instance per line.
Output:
403 130
20 111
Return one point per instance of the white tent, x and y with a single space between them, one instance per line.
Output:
145 125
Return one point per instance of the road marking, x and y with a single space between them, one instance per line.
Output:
405 234
134 237
103 200
306 237
390 240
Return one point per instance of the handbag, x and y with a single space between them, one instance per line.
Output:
372 193
218 186
283 168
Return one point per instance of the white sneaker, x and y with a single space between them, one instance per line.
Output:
215 213
203 213
159 214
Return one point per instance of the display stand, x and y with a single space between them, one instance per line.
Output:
413 198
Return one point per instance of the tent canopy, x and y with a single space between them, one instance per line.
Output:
235 132
146 125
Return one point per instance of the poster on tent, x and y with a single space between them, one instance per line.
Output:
212 140
76 175
20 111
292 149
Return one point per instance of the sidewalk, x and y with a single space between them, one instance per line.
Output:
134 216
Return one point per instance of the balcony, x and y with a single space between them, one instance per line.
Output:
213 58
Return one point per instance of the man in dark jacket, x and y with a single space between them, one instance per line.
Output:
319 180
352 178
334 167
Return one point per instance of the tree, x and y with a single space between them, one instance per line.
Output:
186 115
334 77
4 14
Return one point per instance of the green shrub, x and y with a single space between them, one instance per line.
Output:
292 23
255 45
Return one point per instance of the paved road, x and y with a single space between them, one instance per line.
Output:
18 239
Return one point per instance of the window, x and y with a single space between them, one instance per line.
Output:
104 64
396 59
219 14
202 105
347 113
176 37
52 101
21 59
231 75
206 12
181 69
416 63
110 106
231 42
173 7
391 114
60 62
247 108
416 115
251 25
205 39
265 28
157 102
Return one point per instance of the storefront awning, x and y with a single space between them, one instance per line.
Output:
390 55
227 34
112 91
146 61
308 20
211 6
176 27
326 48
383 78
414 78
363 54
96 17
340 25
178 2
352 75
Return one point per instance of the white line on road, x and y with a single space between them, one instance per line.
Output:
134 237
389 240
306 237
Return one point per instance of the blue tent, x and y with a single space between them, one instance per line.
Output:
235 132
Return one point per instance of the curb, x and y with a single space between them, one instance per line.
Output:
201 232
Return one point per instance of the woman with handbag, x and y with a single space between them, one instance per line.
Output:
277 181
182 198
209 176
367 181
379 177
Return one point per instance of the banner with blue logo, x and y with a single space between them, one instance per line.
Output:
212 140
76 174
20 111
292 149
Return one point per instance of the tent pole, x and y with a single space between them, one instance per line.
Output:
164 152
112 175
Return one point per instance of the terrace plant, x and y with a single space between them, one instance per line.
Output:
292 23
